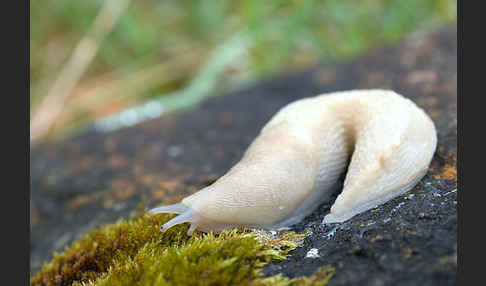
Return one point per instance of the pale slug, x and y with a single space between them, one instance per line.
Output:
295 163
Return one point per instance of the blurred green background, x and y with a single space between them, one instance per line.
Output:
173 54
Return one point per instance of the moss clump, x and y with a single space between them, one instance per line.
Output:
319 278
134 252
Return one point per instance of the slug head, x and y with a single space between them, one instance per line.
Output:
187 214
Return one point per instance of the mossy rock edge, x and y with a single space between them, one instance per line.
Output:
135 252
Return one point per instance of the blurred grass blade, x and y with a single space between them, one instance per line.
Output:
201 86
51 106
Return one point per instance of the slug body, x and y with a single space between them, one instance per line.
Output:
384 141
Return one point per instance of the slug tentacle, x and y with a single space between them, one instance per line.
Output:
187 216
298 158
175 209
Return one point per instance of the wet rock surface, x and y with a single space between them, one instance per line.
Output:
97 178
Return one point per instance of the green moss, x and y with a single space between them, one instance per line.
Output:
134 252
319 278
